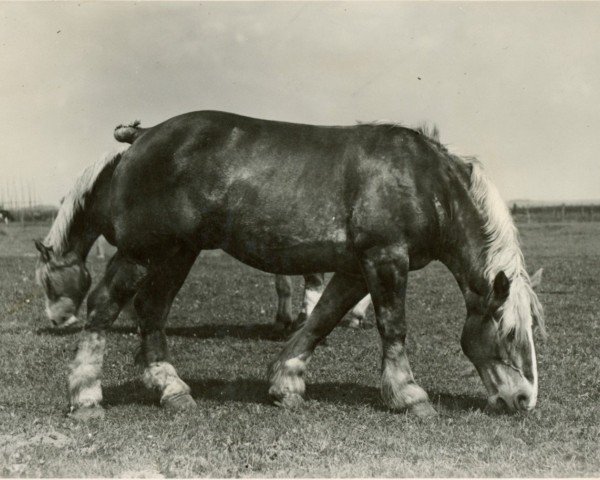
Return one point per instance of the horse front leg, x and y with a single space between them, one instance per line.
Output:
386 272
104 303
285 374
152 304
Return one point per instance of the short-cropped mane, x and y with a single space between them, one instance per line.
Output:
74 201
503 253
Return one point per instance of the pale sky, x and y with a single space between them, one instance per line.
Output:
517 84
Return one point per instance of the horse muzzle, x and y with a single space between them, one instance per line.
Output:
508 389
60 324
520 402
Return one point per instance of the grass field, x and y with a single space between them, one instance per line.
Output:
222 339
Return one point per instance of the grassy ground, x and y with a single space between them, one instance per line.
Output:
222 340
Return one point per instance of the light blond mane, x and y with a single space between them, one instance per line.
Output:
74 202
503 253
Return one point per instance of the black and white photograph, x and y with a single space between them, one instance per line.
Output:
299 239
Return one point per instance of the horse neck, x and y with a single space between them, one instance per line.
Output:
82 239
84 213
464 251
87 224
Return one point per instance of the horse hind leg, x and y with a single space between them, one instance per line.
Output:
152 304
313 289
105 302
359 313
285 374
283 286
314 284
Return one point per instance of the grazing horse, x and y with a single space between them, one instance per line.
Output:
369 202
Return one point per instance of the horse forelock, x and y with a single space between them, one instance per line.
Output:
74 201
502 252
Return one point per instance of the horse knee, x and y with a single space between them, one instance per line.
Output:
100 310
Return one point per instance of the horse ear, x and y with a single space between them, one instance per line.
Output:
536 279
501 289
45 252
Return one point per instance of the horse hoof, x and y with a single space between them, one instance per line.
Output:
85 414
179 403
290 401
423 410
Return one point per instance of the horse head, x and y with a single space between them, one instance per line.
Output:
498 339
65 280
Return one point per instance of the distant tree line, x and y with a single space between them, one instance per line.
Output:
556 213
40 214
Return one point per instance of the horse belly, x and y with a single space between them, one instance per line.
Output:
276 252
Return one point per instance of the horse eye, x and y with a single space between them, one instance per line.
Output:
511 335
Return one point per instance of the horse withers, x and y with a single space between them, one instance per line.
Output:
369 202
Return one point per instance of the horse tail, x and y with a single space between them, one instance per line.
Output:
128 132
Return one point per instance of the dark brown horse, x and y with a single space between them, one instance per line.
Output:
368 202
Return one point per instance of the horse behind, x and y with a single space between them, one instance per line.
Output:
369 202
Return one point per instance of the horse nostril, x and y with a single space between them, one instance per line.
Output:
523 401
54 323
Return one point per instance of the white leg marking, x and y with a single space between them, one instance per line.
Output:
311 297
163 377
398 387
286 377
360 309
84 379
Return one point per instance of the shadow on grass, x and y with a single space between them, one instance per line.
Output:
259 331
246 390
251 390
457 403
